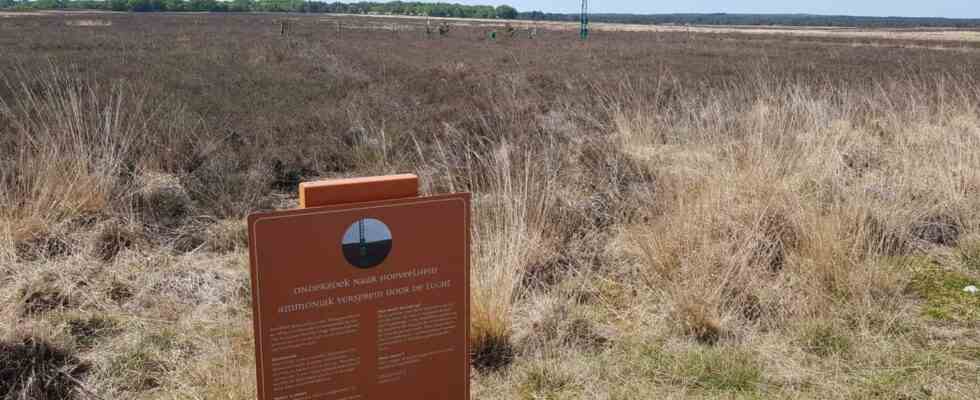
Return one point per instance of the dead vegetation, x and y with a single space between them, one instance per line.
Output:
656 215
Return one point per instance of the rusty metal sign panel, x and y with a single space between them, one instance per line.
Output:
365 300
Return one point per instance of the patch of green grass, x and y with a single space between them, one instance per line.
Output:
650 358
137 370
144 366
720 369
890 385
712 369
542 381
825 339
904 377
970 254
943 292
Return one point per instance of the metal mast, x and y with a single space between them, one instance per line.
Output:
360 230
584 30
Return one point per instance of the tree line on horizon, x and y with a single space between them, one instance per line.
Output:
484 11
388 8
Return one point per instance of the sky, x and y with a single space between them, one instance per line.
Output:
374 230
898 8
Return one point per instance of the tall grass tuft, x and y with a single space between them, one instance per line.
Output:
69 142
510 212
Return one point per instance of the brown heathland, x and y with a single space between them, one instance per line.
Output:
656 214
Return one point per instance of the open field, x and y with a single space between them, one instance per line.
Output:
933 34
657 214
402 22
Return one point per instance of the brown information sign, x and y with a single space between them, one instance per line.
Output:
364 300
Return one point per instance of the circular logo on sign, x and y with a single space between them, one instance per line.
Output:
366 243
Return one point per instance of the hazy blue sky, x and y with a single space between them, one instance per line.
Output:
905 8
374 230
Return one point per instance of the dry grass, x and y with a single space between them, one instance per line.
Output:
655 215
504 247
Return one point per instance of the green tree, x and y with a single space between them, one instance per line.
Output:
241 5
534 16
49 4
118 5
174 5
506 12
138 5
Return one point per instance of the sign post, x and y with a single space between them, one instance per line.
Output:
363 293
